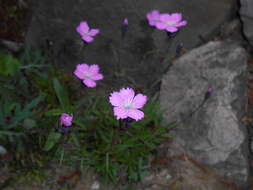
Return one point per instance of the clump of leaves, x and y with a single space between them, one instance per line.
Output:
20 109
98 140
14 119
112 149
8 65
116 149
17 107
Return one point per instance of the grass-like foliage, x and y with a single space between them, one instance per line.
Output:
34 96
18 102
114 148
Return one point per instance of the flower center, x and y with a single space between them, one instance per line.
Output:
171 23
156 19
128 104
87 75
87 33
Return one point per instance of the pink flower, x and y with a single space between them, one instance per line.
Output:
127 104
89 74
153 17
66 119
86 33
170 22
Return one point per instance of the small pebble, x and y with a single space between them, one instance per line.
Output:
95 185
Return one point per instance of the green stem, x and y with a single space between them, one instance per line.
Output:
32 66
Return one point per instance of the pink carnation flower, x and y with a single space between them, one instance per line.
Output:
170 22
86 33
66 119
89 74
153 17
127 104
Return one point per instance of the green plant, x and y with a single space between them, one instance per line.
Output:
9 65
65 106
17 107
97 140
15 120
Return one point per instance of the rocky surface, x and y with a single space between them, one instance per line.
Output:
213 136
210 130
246 14
209 150
138 55
183 175
2 150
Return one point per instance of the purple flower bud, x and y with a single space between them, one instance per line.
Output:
124 28
208 93
125 22
210 90
66 119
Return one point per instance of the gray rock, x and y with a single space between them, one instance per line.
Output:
11 46
232 30
210 132
246 13
143 48
95 185
2 150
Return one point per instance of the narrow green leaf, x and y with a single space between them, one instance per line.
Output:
54 112
52 139
33 103
61 93
29 123
167 135
75 139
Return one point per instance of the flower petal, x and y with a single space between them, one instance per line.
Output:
97 77
171 29
87 38
89 83
149 16
94 32
93 69
165 17
152 23
153 17
127 93
80 69
176 17
155 14
79 30
139 101
135 114
115 99
161 25
182 23
120 113
83 27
